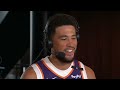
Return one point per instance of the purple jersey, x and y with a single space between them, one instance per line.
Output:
75 73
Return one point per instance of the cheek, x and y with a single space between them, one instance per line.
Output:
59 45
76 43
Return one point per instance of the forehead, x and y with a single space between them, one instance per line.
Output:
65 29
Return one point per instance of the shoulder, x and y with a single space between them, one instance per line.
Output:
90 73
29 73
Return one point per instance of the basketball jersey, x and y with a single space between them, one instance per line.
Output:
44 69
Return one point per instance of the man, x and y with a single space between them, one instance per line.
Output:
61 36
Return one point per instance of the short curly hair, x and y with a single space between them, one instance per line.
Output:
56 21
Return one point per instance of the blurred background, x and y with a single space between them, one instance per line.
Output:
21 41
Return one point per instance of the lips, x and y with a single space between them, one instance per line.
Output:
69 52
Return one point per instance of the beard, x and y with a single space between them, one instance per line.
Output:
65 60
61 57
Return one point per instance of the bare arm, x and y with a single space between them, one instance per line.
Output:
90 73
29 74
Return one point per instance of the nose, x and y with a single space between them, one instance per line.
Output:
70 42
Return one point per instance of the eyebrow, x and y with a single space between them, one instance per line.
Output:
66 36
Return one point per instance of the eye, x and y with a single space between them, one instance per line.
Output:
63 38
74 37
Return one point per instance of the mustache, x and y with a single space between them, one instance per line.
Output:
70 47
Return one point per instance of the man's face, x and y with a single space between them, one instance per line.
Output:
64 40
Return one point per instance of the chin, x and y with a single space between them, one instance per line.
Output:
69 59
